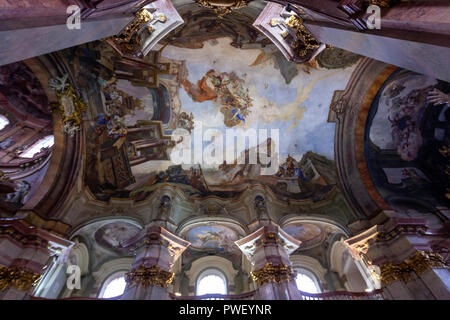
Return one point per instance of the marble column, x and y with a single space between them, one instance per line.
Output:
405 257
425 58
32 28
268 250
155 249
24 253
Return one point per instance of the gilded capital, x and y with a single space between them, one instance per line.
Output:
18 278
149 276
270 273
419 262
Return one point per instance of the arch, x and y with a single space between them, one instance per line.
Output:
289 219
311 267
63 166
212 262
211 281
307 281
113 286
3 122
79 255
351 110
355 274
45 142
190 222
100 222
108 271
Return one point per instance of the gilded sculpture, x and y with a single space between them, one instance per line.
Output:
270 273
419 262
19 278
223 7
149 276
70 106
132 37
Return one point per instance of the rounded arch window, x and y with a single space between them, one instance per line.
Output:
211 281
114 286
306 281
3 122
45 142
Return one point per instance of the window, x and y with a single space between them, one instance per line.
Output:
306 281
3 122
46 142
211 281
114 286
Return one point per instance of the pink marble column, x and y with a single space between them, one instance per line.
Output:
36 27
156 250
24 253
268 249
408 258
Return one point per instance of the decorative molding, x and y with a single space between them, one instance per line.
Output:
311 264
131 38
149 276
217 262
69 105
25 240
307 39
4 177
54 226
419 262
19 278
223 7
273 274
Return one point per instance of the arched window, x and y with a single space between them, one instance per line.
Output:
114 286
306 281
45 142
211 281
3 122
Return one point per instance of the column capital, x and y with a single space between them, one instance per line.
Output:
419 262
156 250
273 274
157 235
17 277
149 276
266 235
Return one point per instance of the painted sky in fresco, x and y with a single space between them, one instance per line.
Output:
299 109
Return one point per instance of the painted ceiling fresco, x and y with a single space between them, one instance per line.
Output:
112 235
213 237
406 141
311 234
228 87
138 109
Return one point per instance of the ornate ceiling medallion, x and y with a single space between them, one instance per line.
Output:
223 7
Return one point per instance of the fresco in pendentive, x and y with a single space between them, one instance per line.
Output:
134 112
406 139
213 237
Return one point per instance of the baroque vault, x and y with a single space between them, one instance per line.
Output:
224 149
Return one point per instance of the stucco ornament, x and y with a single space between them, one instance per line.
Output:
69 105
